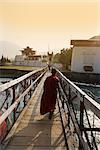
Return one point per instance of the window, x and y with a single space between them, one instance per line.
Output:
88 68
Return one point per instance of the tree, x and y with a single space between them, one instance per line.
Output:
4 60
56 58
8 60
69 57
64 57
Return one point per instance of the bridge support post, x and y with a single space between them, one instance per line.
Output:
14 112
25 85
81 119
69 101
30 89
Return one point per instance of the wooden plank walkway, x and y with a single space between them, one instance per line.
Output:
36 132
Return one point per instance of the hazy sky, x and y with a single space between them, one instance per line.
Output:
39 23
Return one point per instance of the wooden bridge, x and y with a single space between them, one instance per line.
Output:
70 128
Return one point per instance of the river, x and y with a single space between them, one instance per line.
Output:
3 80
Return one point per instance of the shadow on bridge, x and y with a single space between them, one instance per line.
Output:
38 133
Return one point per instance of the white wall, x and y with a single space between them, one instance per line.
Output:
19 58
20 61
34 63
85 56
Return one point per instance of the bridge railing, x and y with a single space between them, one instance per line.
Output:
83 113
14 96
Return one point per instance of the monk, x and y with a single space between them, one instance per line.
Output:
49 96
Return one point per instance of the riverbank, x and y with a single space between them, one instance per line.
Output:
18 67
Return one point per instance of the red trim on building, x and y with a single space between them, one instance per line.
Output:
87 43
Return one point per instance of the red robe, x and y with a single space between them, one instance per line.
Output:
49 95
3 129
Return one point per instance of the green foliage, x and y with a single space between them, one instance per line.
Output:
64 57
8 60
56 58
4 60
69 57
19 67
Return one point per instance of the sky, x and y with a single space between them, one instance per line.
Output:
47 24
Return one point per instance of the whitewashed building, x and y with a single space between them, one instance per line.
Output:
85 56
21 61
29 58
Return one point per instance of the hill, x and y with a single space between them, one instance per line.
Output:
8 49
